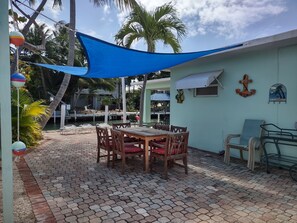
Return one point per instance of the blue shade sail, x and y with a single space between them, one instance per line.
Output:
106 60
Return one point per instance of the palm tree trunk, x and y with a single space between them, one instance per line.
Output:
66 79
43 82
149 49
142 100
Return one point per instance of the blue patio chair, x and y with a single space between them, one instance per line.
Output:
249 140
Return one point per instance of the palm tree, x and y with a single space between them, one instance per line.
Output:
54 104
160 25
30 112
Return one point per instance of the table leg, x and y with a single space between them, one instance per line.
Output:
146 155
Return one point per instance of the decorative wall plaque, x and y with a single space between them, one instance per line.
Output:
278 93
180 96
245 92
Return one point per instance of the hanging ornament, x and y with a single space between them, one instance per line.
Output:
16 38
18 80
18 148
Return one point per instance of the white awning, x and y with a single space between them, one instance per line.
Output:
199 80
160 97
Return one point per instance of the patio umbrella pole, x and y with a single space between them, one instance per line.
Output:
5 112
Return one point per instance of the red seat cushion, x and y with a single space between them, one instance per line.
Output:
162 142
161 151
132 149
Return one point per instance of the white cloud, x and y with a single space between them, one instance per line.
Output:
228 18
106 9
122 16
91 32
54 11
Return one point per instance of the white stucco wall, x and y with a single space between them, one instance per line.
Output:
210 119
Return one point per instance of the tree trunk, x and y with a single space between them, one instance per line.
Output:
76 97
43 82
149 49
141 112
54 104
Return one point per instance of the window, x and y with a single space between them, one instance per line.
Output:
211 90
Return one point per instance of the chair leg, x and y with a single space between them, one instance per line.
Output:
227 155
165 169
151 163
108 157
143 155
251 159
98 155
241 154
113 158
185 161
123 164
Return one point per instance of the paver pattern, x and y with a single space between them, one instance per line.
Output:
77 189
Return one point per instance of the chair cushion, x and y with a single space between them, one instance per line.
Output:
161 141
132 149
161 151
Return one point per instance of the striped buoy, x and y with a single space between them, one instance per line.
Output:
16 38
18 80
18 148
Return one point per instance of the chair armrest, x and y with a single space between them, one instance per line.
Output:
254 142
231 136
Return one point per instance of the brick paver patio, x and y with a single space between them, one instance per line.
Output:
77 189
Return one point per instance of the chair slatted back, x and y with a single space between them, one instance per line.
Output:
102 138
117 140
159 126
177 129
251 128
121 125
177 144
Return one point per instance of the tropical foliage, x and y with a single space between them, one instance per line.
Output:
162 25
133 100
59 48
71 51
30 112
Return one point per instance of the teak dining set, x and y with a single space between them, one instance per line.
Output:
163 142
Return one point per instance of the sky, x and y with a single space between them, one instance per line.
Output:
210 23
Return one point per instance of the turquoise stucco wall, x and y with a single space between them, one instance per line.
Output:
210 119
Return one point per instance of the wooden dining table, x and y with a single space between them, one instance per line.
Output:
145 134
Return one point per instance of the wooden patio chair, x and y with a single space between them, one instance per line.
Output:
104 142
175 128
124 149
249 140
164 127
121 125
176 147
160 142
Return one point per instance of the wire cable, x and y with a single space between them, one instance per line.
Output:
45 16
